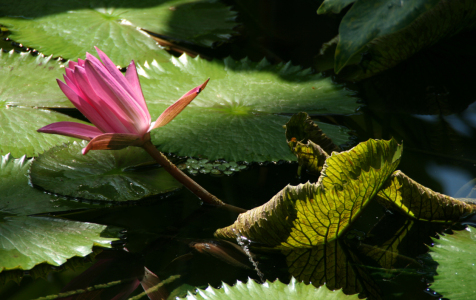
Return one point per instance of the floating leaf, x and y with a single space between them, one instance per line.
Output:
269 290
368 20
19 198
456 257
100 175
29 80
28 241
236 117
419 202
70 29
18 127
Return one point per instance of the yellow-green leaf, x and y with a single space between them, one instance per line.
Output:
419 202
309 215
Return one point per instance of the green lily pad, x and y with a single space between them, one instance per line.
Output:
19 198
241 113
28 241
18 127
456 257
29 80
99 175
270 290
370 19
70 29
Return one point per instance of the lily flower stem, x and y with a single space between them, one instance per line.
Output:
189 183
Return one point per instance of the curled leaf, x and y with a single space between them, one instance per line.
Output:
419 202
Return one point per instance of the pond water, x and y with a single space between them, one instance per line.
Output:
425 102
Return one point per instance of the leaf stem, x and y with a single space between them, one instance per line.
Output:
189 183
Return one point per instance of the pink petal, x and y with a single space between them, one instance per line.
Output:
173 110
112 92
84 107
113 141
133 79
110 112
123 82
72 129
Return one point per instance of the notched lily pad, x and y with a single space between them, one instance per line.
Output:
100 175
456 258
70 29
269 290
239 116
28 241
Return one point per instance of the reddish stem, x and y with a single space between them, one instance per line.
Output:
189 183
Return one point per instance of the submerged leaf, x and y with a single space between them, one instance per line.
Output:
419 202
269 290
456 258
100 175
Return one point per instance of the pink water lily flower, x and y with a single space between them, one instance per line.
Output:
114 103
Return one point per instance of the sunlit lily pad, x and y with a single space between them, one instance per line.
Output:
100 175
241 113
270 290
28 241
29 80
18 127
456 258
71 28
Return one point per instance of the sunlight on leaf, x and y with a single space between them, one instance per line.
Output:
70 29
456 257
419 202
269 290
239 117
28 241
100 175
308 215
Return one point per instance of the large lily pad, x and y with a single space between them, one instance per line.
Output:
241 113
100 175
18 127
72 28
29 81
371 19
28 241
269 290
456 257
